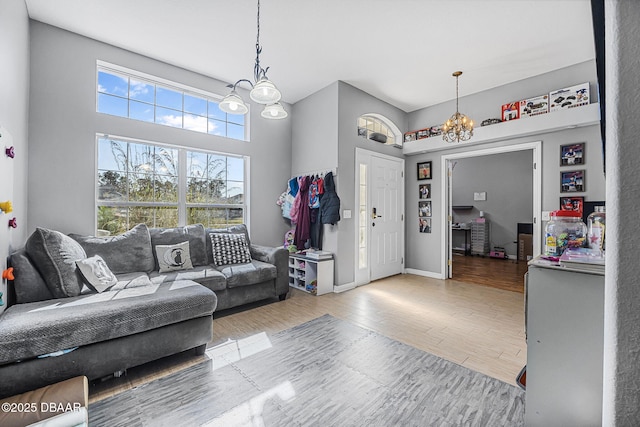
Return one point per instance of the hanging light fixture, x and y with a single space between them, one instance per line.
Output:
263 91
459 127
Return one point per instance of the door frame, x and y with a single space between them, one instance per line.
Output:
536 147
363 156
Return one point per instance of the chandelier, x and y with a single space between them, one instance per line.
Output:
263 91
459 127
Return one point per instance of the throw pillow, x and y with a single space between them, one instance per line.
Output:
54 255
230 249
173 257
96 273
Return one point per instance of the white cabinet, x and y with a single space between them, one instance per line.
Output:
565 338
311 275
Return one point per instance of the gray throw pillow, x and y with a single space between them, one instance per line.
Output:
173 257
125 253
230 249
54 255
96 273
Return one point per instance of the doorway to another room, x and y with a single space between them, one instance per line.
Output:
493 205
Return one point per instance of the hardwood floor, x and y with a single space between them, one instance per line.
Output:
497 273
479 327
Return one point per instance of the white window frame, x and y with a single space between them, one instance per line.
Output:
182 204
389 128
159 81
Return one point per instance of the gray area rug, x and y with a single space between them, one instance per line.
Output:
326 372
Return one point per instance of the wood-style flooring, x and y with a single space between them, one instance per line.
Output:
497 273
479 327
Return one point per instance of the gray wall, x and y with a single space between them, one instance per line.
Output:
353 103
622 293
14 117
423 250
64 123
507 178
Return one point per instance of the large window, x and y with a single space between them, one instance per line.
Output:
165 186
137 96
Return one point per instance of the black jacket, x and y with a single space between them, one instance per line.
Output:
330 202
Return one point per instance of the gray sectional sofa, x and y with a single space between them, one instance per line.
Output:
92 306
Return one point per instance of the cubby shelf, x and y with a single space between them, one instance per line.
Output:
314 276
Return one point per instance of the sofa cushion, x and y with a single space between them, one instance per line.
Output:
230 249
134 279
44 327
248 274
234 229
193 233
128 252
55 256
205 275
96 273
173 257
28 283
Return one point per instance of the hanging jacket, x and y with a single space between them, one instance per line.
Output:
330 202
303 223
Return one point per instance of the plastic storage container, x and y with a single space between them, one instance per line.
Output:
595 228
565 230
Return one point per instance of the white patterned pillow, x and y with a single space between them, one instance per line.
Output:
97 274
173 257
230 249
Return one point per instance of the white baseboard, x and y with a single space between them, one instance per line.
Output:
343 288
424 273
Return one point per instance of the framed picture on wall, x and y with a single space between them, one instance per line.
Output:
424 170
572 154
424 209
572 181
574 204
425 225
425 191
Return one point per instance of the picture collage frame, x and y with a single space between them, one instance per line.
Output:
424 197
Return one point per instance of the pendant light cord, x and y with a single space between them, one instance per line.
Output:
258 71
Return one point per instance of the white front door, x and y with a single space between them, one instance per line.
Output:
386 217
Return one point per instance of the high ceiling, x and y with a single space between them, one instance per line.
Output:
400 51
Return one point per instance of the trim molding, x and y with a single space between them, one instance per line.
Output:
343 288
424 273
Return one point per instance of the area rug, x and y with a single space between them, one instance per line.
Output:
326 372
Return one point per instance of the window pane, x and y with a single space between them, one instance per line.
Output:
165 116
215 112
196 164
198 191
235 192
166 188
141 187
198 216
141 158
216 167
217 127
235 131
140 215
112 154
236 118
140 111
113 105
217 191
142 91
113 220
112 186
166 161
166 97
166 217
113 84
195 105
236 216
218 218
235 168
197 123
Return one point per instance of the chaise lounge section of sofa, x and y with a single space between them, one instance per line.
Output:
63 325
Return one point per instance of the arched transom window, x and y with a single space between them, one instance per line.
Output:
378 128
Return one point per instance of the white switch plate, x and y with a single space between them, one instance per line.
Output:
546 215
346 214
480 195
